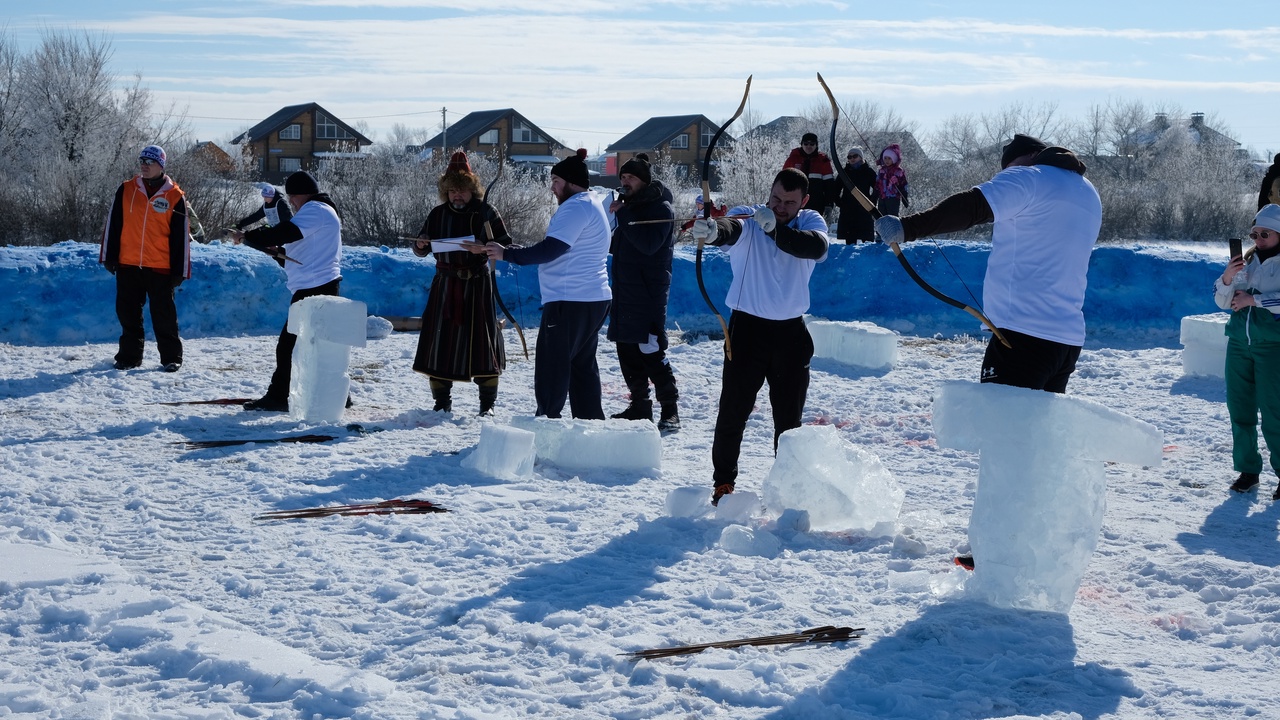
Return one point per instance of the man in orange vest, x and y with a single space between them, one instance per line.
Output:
147 246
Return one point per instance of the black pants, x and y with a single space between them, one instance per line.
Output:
1031 363
639 368
773 351
566 359
136 286
855 225
279 387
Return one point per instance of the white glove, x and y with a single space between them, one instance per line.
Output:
889 229
765 219
705 230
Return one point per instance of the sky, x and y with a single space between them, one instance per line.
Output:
589 71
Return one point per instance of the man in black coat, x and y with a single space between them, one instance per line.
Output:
641 286
855 222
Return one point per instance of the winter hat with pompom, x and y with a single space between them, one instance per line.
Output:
573 169
638 166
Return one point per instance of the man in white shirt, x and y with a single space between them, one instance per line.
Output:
1047 217
772 254
312 240
574 282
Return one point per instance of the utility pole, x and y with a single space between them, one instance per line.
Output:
444 132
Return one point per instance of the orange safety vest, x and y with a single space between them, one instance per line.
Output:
144 233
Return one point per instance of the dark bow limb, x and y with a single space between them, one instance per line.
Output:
707 204
493 265
870 207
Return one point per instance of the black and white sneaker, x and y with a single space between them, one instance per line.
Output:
171 367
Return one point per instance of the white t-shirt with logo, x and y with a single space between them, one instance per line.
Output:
580 274
1046 223
768 282
319 252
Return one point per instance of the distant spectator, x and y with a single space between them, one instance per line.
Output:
147 246
817 167
856 223
274 209
891 194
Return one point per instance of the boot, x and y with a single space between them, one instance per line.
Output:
637 410
442 392
269 404
488 396
721 490
1245 483
669 420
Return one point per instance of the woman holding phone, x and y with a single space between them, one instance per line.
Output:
1250 288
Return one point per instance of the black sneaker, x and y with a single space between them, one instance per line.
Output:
721 490
964 561
122 365
637 410
669 421
268 403
1245 483
171 367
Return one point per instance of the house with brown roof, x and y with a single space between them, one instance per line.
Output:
504 132
680 139
299 137
214 157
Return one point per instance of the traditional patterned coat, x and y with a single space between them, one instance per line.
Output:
460 339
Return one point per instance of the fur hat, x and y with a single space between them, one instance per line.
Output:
573 169
154 153
1268 217
459 176
1020 145
301 183
638 166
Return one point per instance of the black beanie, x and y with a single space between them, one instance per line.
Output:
809 137
1020 145
301 183
638 166
573 169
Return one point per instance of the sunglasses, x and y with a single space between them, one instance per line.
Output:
1261 235
145 161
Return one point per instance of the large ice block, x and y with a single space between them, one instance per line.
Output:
1042 486
595 444
327 328
861 344
1204 344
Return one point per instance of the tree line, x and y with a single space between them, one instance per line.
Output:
70 131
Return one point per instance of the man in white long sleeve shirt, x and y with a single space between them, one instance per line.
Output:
772 254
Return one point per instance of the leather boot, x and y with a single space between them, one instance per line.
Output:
637 410
488 397
442 393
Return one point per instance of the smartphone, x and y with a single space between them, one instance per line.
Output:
1236 250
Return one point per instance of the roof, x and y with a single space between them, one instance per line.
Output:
284 116
477 123
1197 132
658 131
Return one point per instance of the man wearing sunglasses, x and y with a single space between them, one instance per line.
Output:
147 246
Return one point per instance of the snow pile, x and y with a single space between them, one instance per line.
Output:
841 486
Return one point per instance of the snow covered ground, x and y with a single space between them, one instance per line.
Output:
134 582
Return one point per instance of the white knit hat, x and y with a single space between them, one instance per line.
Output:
1268 217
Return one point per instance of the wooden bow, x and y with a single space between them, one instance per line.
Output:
707 204
488 231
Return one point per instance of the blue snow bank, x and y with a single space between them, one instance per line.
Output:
60 295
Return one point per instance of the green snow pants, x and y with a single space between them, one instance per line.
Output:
1253 386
